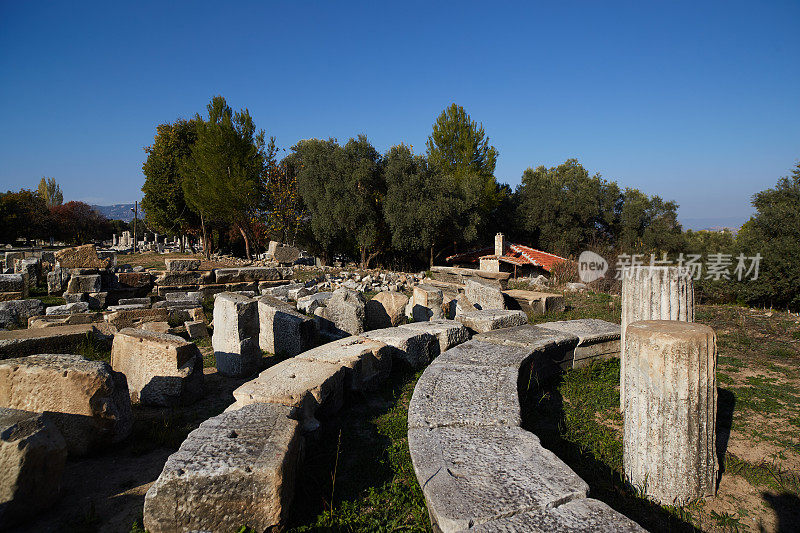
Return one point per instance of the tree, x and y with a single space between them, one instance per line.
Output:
23 214
417 206
774 233
223 178
343 189
284 207
163 203
78 223
462 158
50 192
563 210
647 224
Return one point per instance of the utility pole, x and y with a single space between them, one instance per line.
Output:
135 216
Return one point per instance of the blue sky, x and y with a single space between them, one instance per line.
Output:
696 102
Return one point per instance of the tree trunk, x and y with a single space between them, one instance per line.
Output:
182 249
246 241
431 256
364 257
372 256
206 247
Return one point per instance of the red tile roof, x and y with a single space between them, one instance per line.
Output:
516 254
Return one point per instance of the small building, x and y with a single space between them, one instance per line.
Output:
518 259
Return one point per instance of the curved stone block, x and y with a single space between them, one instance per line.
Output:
452 394
472 475
450 333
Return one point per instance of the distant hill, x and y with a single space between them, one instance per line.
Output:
714 224
117 211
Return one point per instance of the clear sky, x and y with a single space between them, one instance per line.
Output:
697 102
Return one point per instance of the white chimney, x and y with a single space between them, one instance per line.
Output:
499 244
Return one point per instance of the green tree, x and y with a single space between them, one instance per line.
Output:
343 189
774 233
462 158
163 203
223 178
417 207
647 224
563 209
50 192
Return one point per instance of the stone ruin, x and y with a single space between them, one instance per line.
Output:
478 469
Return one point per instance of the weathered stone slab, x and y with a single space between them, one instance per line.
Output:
235 275
57 280
17 312
367 362
481 321
161 369
237 469
537 303
196 329
87 283
473 475
182 264
669 450
134 317
307 304
465 395
184 277
480 353
56 339
554 348
386 309
449 332
484 293
68 309
134 280
345 312
14 283
597 339
184 296
286 255
304 386
282 330
426 303
32 455
235 338
134 301
81 257
158 327
576 516
89 401
283 291
415 348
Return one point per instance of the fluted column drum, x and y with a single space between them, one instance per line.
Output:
670 410
654 293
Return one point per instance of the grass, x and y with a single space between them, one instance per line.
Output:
577 417
93 349
358 474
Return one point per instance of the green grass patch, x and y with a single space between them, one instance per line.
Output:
93 349
577 417
359 473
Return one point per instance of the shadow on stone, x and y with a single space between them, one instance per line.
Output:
543 414
362 459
